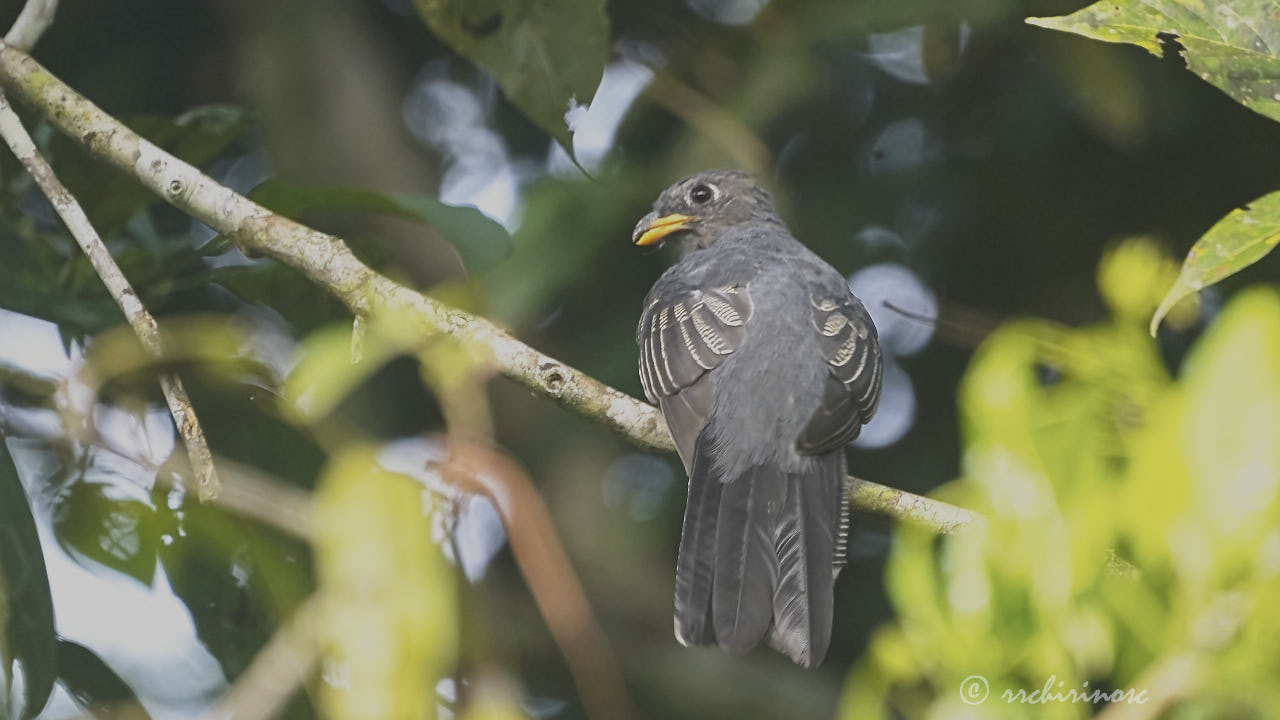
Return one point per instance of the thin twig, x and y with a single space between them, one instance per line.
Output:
35 18
77 222
279 668
547 571
252 493
328 262
936 515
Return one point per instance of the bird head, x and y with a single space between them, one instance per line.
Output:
696 210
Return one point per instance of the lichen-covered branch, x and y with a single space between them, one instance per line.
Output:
934 514
328 262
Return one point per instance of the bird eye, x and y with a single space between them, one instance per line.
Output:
701 194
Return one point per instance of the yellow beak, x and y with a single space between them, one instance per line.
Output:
652 230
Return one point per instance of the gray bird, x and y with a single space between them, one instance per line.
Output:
765 367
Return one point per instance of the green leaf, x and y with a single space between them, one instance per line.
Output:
26 606
326 372
239 580
120 534
1233 45
32 282
1237 241
283 289
197 135
544 54
245 422
481 241
94 686
544 266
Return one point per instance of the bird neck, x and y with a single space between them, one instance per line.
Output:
754 230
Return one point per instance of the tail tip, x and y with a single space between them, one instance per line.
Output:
680 638
797 646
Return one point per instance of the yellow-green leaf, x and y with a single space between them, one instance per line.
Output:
389 611
1233 44
1237 241
336 360
1232 381
326 372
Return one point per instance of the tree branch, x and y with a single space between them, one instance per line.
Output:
328 262
77 222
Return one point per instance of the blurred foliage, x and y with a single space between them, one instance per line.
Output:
333 363
117 533
388 620
271 571
546 55
996 161
481 241
1133 274
1078 444
96 686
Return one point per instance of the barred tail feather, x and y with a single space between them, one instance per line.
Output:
809 532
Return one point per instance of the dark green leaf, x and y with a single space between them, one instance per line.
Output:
26 606
33 276
481 241
21 388
120 534
239 580
244 422
284 290
96 687
544 264
198 135
543 54
1234 46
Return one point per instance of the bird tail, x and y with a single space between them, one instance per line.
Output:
810 535
695 566
756 556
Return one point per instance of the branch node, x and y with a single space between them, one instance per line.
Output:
553 378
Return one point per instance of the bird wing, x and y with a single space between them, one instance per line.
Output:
685 333
848 341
